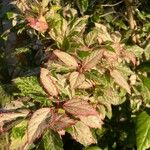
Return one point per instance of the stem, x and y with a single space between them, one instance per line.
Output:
131 20
111 5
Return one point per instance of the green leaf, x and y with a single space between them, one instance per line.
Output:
91 37
144 66
52 141
145 80
82 133
136 50
143 131
147 51
29 86
82 5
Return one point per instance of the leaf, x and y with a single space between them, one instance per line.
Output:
144 66
52 141
120 80
76 79
38 24
66 59
20 143
44 3
92 60
143 131
48 83
82 133
9 116
92 121
91 37
59 122
103 34
82 5
29 86
38 123
79 107
86 84
136 50
146 81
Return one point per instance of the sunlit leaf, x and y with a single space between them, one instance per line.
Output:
73 106
92 121
120 80
48 83
143 131
82 133
38 123
66 59
76 79
38 24
86 85
92 60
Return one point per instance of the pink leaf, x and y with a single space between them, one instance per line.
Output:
76 79
78 107
48 82
59 122
38 123
38 24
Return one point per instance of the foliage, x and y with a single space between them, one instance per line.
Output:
75 68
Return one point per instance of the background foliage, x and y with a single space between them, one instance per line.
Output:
74 74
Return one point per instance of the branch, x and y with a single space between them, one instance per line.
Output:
111 5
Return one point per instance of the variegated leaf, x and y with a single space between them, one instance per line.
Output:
38 123
59 122
92 121
120 80
79 107
48 82
92 60
76 79
38 24
82 133
20 143
86 85
66 59
9 116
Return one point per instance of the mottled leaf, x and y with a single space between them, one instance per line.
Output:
143 131
92 121
52 141
59 122
92 60
86 85
48 82
91 37
66 58
82 133
20 143
38 123
9 116
120 80
38 24
79 107
76 79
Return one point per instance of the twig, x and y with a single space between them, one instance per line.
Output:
131 20
111 5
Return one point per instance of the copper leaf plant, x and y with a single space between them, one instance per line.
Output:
77 69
